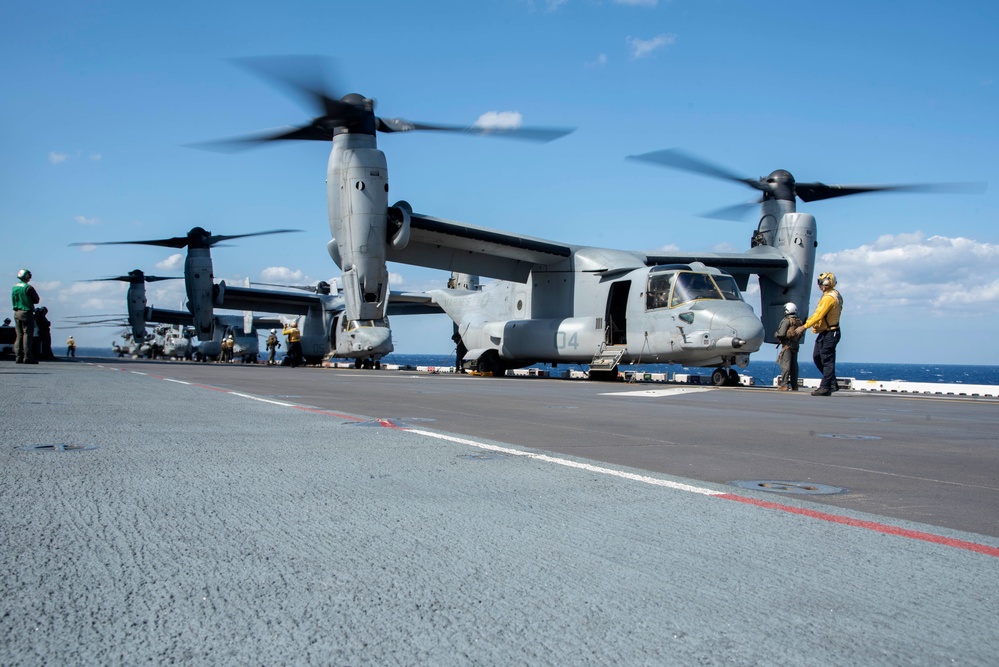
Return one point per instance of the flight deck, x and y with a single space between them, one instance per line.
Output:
231 514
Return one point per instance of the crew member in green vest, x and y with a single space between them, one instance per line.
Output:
24 297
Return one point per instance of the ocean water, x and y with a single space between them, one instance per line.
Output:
763 371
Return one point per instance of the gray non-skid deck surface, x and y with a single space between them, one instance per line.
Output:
210 528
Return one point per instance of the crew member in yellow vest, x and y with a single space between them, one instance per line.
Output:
825 322
70 347
294 343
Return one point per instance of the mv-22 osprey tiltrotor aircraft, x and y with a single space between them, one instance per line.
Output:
557 302
362 224
177 327
324 329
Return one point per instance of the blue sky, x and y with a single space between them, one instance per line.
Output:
101 99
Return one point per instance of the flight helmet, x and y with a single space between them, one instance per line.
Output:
827 279
24 275
790 309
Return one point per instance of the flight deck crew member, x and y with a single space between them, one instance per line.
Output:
43 342
225 350
825 322
789 340
24 297
70 347
294 343
272 345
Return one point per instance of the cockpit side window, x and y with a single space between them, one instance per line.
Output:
657 293
691 286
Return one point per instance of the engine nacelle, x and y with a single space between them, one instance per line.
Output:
398 224
334 250
795 236
198 277
137 309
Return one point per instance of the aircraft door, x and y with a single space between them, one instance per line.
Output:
616 330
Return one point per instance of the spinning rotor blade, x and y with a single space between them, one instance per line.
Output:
135 279
196 238
736 212
685 162
87 317
212 240
780 184
818 191
539 134
104 323
304 77
175 242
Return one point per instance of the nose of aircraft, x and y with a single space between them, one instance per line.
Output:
748 329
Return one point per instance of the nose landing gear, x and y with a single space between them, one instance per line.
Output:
725 377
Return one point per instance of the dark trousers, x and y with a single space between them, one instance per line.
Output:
824 357
24 325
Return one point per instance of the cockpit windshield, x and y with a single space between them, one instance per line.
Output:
728 288
672 289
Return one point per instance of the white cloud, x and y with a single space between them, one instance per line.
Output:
83 220
396 279
174 261
94 287
668 249
282 274
500 120
57 158
642 48
599 62
938 275
95 157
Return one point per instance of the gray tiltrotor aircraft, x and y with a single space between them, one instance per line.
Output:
198 270
558 302
136 299
325 329
362 224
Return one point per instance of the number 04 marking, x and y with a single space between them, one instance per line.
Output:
573 341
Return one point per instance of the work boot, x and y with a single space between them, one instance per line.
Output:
822 391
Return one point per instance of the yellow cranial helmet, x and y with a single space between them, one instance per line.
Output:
827 279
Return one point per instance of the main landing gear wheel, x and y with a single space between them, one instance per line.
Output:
725 378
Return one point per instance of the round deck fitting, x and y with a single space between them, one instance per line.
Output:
784 486
59 447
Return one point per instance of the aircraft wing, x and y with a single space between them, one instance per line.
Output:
412 303
452 246
265 322
759 260
161 316
266 301
299 303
